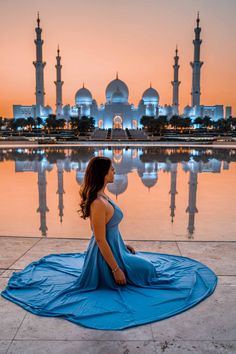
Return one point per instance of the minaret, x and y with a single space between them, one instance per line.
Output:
175 84
42 209
196 65
60 189
58 84
39 66
192 200
173 190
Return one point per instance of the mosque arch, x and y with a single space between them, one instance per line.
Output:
100 124
134 124
117 122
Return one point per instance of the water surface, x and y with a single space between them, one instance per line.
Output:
169 193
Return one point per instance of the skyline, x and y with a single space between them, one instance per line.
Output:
96 64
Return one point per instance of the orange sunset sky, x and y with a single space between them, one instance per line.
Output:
137 38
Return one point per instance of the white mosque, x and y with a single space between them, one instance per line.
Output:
117 111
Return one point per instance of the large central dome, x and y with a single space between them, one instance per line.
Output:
115 85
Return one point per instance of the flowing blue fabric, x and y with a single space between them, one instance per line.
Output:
80 287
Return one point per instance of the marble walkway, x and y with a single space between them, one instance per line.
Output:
209 327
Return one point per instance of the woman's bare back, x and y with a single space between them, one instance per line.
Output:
109 211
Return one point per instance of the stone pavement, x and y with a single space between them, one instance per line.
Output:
209 327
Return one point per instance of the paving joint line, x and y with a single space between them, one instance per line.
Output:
16 333
178 248
22 255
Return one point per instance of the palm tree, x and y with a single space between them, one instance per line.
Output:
31 122
162 123
224 125
185 122
147 122
51 122
174 121
20 123
207 122
198 121
86 124
74 123
60 123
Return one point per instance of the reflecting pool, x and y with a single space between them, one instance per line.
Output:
165 193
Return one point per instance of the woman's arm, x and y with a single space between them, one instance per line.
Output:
98 210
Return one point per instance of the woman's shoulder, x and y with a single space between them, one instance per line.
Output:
98 203
97 208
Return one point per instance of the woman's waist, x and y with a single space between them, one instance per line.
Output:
110 230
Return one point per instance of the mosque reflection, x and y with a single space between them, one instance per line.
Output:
148 162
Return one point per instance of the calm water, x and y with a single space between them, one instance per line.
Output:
164 193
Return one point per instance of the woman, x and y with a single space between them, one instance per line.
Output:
95 203
110 286
108 262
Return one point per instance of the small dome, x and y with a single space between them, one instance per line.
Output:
149 179
117 96
83 96
150 96
119 185
80 177
47 110
112 87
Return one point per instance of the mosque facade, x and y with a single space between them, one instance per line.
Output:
117 111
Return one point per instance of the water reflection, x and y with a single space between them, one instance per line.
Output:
146 162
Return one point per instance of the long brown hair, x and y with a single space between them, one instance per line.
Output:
94 176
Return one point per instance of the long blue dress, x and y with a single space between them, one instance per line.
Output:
80 287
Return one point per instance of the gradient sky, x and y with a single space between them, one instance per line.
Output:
99 37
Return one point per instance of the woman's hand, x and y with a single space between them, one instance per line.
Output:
130 248
119 277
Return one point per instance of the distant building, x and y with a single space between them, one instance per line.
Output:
20 111
228 112
214 112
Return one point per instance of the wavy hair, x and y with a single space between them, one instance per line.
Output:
95 173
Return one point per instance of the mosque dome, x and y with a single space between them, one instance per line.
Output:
149 179
112 87
47 110
118 96
150 96
83 96
80 177
119 185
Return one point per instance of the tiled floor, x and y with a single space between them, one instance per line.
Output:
209 327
